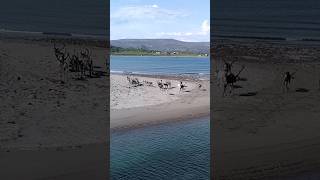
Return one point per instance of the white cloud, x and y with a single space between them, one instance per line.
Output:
202 32
144 13
175 34
155 6
205 27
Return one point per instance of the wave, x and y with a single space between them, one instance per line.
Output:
189 74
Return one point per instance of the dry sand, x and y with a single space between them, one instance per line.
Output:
46 126
145 105
273 134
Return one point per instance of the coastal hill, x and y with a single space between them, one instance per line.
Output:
167 45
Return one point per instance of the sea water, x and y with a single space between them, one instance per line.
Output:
179 150
163 65
85 17
286 19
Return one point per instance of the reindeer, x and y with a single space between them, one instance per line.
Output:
228 66
230 80
129 79
160 85
82 69
87 60
74 62
287 79
134 81
148 83
167 84
62 56
59 51
182 86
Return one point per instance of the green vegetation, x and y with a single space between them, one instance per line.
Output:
145 52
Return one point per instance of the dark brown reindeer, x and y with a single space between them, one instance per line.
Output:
167 84
160 85
230 79
59 51
76 65
288 77
87 61
74 62
62 56
228 65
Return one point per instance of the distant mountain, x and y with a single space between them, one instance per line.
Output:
168 45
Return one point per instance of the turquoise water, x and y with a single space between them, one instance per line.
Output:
178 150
160 65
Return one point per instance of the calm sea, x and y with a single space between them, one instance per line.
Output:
287 19
88 17
178 150
171 151
199 66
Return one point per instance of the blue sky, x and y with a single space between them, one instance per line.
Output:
186 20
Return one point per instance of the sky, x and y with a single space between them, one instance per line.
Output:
185 20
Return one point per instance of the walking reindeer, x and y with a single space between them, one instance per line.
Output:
287 79
230 79
228 66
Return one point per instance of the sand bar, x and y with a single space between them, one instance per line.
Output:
145 105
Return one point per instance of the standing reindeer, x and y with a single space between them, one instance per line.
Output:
287 79
74 62
87 61
62 56
167 84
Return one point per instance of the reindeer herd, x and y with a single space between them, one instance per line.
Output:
79 62
161 84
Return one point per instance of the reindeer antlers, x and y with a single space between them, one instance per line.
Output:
86 52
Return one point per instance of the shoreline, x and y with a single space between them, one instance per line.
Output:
193 103
158 56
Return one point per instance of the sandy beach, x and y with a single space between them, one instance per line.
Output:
44 121
140 106
262 131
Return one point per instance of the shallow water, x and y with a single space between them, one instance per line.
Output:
179 150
